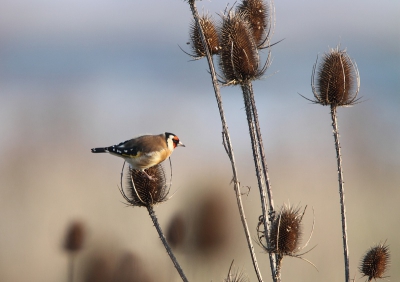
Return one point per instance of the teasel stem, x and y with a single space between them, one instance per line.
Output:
271 210
165 243
261 168
341 194
143 192
279 259
227 141
74 242
71 267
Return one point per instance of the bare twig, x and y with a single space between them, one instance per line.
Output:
71 267
261 169
262 152
165 243
227 141
147 200
341 194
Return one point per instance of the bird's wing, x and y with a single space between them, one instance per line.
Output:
147 144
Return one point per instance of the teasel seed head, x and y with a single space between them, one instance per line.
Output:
285 233
336 82
236 275
210 33
75 237
143 191
375 262
257 14
239 59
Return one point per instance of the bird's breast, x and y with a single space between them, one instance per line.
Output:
146 160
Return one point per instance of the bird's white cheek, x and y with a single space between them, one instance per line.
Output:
170 145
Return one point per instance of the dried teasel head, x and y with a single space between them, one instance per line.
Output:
236 275
285 234
239 59
286 231
257 13
210 34
336 81
375 262
75 237
141 191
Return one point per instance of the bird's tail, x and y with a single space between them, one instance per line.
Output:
100 150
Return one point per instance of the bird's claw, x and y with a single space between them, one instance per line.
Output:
151 178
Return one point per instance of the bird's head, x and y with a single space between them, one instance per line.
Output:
173 141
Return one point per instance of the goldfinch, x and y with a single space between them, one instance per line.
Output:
144 151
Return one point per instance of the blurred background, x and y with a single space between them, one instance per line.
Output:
81 74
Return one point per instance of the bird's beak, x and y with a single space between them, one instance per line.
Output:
181 144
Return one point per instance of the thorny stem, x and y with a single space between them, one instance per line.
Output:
279 259
165 243
341 194
271 210
262 153
260 165
71 263
227 141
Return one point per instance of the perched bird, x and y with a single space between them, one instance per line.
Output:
144 151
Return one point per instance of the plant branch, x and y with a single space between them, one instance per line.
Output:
260 166
71 264
165 243
227 141
341 194
262 153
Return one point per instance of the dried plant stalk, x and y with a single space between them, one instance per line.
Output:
341 195
227 142
262 175
336 83
239 62
147 191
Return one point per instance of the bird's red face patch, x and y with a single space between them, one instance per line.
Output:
175 141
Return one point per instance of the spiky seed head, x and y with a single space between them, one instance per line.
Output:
142 191
336 82
239 60
257 14
236 275
176 231
75 237
375 262
286 231
210 33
